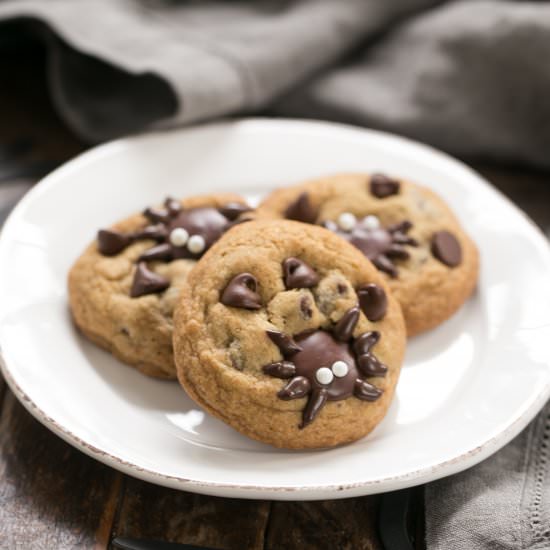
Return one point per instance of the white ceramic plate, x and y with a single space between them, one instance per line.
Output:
466 389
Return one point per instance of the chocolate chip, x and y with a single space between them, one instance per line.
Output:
155 232
385 264
287 346
159 252
232 210
281 369
298 274
301 210
172 205
112 242
365 342
315 403
402 227
242 292
366 391
305 307
446 248
382 186
156 215
398 252
369 365
147 281
296 388
342 289
373 301
343 331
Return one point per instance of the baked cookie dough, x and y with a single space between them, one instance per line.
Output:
289 335
123 288
406 230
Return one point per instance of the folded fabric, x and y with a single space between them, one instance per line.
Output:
468 76
119 66
503 503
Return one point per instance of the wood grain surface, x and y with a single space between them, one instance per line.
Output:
176 516
51 495
348 524
54 497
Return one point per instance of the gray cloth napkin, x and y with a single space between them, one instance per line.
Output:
503 503
126 65
471 77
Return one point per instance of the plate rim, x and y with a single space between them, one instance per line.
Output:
443 469
345 490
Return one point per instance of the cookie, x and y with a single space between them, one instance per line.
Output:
289 335
123 288
406 230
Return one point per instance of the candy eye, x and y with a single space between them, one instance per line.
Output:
347 221
324 376
179 236
196 244
371 222
339 369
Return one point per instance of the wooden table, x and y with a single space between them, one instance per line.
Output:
54 497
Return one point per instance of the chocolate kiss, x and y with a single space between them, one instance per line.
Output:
298 274
232 210
446 248
112 242
343 330
381 186
147 282
241 292
301 210
373 301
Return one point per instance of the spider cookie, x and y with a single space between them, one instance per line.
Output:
123 288
405 230
289 335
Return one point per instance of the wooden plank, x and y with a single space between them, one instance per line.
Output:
349 524
51 495
155 513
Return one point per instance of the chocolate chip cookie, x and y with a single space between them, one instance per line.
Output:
123 288
288 334
405 230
